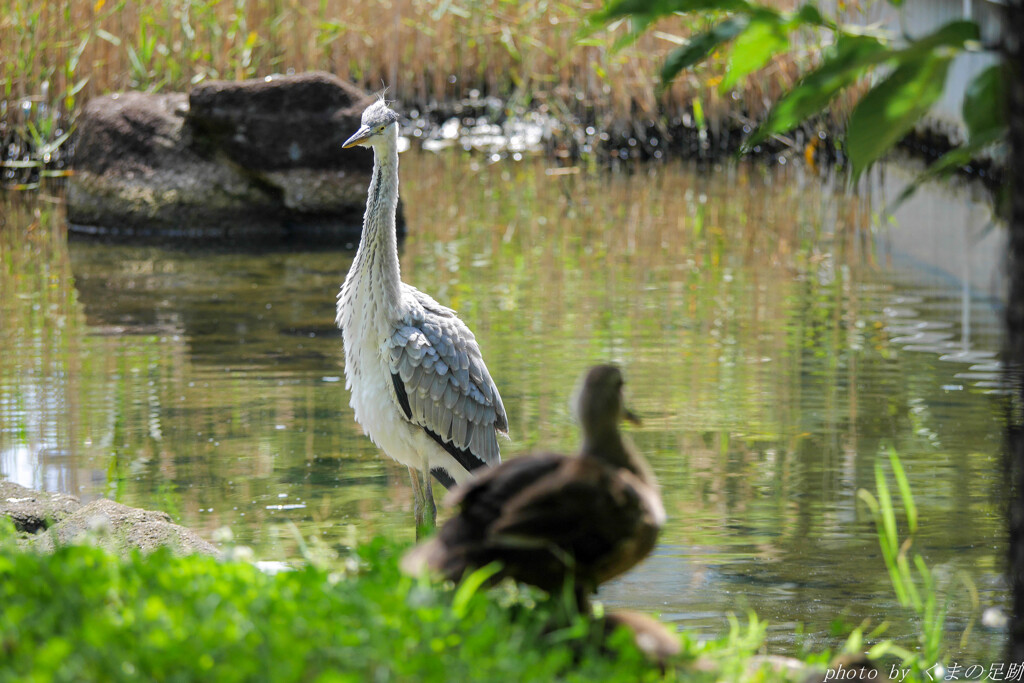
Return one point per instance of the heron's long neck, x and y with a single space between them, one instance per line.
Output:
375 267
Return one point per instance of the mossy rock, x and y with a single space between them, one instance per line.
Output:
33 511
122 529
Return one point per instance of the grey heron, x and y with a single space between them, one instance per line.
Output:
419 386
549 518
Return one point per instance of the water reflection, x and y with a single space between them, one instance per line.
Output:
775 340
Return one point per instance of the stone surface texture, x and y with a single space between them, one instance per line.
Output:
122 529
33 511
248 161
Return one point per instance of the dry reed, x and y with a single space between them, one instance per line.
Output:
57 55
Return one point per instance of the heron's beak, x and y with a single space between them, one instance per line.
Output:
631 416
359 137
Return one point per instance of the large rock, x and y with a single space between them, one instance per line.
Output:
121 529
33 511
285 123
246 161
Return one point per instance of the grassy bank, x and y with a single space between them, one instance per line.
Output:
85 615
530 55
422 50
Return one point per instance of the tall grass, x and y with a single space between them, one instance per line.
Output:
917 586
56 56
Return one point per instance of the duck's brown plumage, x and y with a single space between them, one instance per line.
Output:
547 517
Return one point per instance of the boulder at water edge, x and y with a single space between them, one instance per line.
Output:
249 161
33 511
122 529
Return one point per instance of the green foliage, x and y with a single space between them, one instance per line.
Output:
912 580
652 10
984 108
886 113
701 46
764 37
890 109
83 614
842 66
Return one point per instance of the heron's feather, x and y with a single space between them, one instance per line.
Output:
450 391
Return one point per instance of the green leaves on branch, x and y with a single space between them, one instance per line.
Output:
652 10
643 13
894 105
845 64
984 109
915 79
764 37
759 33
984 113
701 46
890 109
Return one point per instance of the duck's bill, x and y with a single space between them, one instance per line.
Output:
631 416
359 137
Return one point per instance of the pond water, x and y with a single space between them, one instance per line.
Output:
777 341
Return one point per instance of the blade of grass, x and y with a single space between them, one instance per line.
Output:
904 488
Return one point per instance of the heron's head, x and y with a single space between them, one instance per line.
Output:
378 119
600 404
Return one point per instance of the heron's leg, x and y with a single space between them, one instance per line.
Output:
417 494
430 508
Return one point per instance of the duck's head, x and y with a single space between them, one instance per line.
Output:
600 404
379 123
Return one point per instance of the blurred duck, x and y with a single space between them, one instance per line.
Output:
549 518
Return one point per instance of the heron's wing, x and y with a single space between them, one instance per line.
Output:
442 384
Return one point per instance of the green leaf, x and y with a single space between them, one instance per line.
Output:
20 163
655 9
77 87
851 57
701 46
764 37
890 109
809 15
903 484
952 35
984 108
948 163
137 66
913 596
54 145
637 26
469 587
889 542
698 113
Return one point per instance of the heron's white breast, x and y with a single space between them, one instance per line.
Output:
365 324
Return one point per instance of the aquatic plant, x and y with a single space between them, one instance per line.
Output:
915 583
